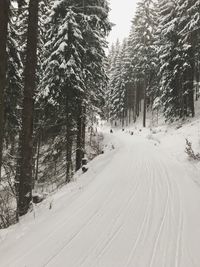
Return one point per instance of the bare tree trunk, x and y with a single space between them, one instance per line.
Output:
25 170
191 94
79 137
4 16
83 131
38 155
138 101
135 104
69 139
145 104
190 82
69 158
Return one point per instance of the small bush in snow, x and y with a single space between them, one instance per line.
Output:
190 152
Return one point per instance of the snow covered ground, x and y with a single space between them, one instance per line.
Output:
137 206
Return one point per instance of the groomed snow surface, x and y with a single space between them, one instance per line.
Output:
137 206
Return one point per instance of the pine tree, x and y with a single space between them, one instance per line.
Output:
170 54
93 62
143 50
118 84
79 64
114 55
189 25
63 79
13 91
139 53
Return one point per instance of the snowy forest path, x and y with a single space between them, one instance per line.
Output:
141 209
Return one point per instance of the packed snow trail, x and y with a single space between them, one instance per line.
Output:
140 209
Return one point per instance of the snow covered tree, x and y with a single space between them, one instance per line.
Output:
190 38
169 54
177 58
13 92
113 58
142 50
118 84
75 54
63 79
93 63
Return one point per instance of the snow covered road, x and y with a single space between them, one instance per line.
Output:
140 209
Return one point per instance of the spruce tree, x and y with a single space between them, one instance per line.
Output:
118 85
114 55
142 49
13 91
76 54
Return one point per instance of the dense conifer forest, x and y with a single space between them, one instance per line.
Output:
156 68
55 79
52 76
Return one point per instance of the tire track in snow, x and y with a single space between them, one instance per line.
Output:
95 215
115 229
179 243
90 219
145 221
113 235
58 227
176 241
168 242
179 246
166 208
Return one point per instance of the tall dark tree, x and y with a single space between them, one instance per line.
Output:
4 18
26 142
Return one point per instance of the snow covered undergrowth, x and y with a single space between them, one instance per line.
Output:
136 206
171 138
55 203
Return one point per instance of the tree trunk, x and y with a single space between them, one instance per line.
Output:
69 139
83 132
191 93
138 100
25 170
69 158
145 104
191 71
135 104
4 16
37 155
79 137
197 81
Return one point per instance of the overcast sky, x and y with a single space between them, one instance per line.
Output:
121 14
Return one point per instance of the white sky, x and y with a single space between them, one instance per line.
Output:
121 14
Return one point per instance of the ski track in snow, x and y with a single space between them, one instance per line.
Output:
140 210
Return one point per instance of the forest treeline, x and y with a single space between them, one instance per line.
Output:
52 76
157 65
